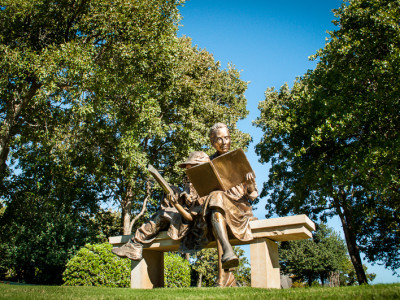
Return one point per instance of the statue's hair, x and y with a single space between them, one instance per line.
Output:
214 129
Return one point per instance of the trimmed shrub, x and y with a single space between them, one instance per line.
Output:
176 271
95 265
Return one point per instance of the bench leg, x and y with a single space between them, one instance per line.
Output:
264 264
148 273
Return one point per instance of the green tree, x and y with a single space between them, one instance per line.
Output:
58 56
103 224
347 274
47 214
333 138
243 271
55 53
205 265
159 122
110 84
50 211
310 260
38 239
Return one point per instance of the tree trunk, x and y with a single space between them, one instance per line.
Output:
322 278
4 150
354 251
126 205
126 217
199 280
187 257
334 279
7 127
310 281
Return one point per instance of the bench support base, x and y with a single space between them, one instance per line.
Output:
148 273
265 272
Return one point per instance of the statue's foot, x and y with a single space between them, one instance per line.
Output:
227 280
130 250
229 260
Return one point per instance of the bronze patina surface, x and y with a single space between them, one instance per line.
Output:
219 198
229 209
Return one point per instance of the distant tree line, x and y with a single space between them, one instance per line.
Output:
323 258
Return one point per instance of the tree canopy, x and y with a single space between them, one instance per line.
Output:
90 93
55 53
109 86
333 139
161 126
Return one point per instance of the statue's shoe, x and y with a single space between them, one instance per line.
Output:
227 280
130 250
229 261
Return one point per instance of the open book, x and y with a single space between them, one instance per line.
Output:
222 173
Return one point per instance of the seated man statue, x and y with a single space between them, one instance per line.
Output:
230 210
183 220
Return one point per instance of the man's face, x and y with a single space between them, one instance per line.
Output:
222 140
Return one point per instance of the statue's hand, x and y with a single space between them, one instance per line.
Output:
187 197
251 186
250 180
171 199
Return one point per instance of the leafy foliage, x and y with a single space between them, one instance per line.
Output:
54 53
333 138
103 224
96 265
50 210
37 239
310 260
37 247
176 271
110 86
243 271
347 275
205 262
159 122
57 54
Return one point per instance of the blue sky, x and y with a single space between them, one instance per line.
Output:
269 42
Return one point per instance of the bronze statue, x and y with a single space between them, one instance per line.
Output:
182 219
187 217
229 209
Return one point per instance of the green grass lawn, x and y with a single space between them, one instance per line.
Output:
380 291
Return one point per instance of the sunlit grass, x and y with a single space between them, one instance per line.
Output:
380 291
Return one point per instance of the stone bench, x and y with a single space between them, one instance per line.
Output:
265 272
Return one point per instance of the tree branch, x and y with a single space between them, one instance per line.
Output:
144 206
